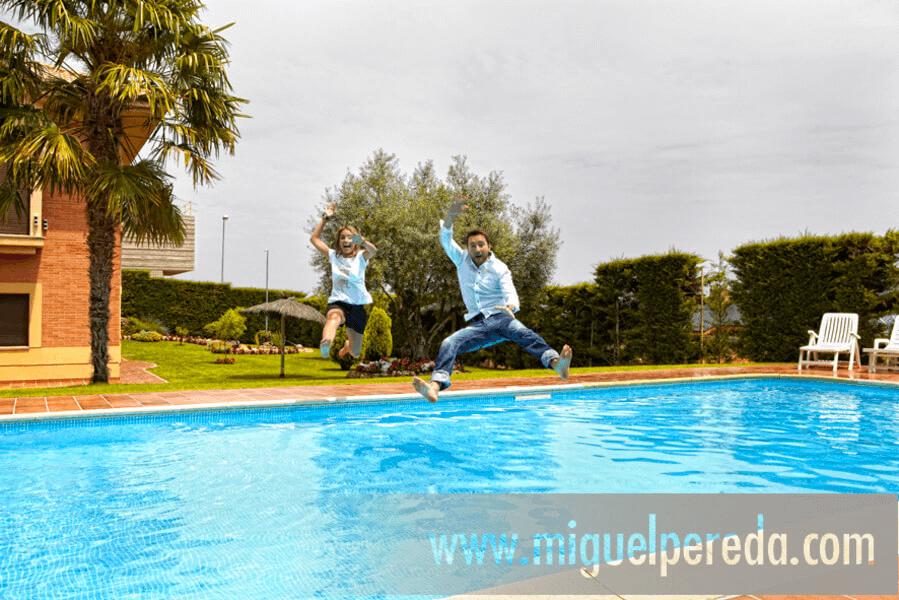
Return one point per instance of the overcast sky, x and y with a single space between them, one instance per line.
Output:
647 125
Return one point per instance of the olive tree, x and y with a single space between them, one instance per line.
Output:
400 214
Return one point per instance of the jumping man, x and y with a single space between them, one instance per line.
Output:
491 303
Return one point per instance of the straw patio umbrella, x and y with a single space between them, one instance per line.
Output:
286 307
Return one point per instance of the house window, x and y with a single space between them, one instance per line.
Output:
14 319
13 222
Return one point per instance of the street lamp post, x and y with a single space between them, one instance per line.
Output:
266 288
224 218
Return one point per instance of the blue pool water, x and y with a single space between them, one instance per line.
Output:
261 503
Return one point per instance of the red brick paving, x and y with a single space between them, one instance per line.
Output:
134 372
61 403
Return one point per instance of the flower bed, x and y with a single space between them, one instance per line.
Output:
221 346
175 338
147 336
272 350
396 367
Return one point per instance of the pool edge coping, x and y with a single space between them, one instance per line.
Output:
513 390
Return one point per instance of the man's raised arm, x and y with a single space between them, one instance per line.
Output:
452 249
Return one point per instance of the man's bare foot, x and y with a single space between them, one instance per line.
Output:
562 363
427 389
325 348
343 351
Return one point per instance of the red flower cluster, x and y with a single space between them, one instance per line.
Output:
396 367
272 350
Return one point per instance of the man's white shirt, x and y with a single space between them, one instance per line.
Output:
483 288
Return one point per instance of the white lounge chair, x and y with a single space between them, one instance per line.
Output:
888 349
839 333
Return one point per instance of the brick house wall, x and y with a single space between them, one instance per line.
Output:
64 273
55 274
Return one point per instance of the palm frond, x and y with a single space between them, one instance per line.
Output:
77 33
16 121
140 197
14 42
59 16
158 15
19 72
64 98
53 157
127 84
10 196
157 223
187 155
150 53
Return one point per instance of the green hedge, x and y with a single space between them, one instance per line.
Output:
192 304
784 286
645 306
638 311
569 315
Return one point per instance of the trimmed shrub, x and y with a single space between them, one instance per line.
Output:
147 336
377 341
218 346
340 339
133 325
230 325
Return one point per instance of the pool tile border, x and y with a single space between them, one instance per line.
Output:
92 406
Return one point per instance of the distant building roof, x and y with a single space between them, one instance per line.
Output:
164 259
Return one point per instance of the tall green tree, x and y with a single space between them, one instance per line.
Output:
718 346
400 214
65 125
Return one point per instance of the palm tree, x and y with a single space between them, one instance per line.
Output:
119 71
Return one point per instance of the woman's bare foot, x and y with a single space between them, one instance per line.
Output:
561 364
426 389
343 351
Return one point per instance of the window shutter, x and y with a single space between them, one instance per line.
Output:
14 319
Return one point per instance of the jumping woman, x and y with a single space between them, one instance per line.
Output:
346 304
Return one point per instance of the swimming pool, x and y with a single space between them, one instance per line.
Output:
263 503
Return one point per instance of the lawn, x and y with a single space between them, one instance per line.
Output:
193 367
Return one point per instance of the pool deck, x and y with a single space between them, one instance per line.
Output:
134 372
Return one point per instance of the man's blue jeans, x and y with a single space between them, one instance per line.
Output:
487 331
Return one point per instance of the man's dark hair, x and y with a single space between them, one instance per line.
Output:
475 232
